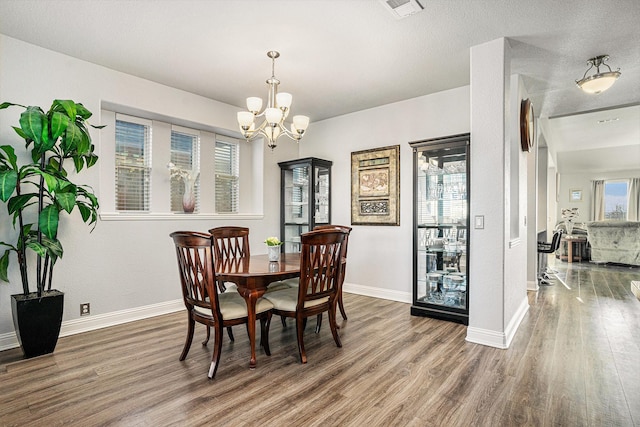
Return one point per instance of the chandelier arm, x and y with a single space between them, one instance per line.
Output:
588 69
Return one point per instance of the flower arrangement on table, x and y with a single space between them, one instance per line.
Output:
273 248
189 180
569 215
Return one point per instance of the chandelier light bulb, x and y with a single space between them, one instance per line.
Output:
254 104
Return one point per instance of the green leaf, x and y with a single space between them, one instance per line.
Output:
20 132
48 221
71 138
85 211
8 181
9 104
4 266
10 156
68 106
83 112
67 199
19 202
78 161
51 181
59 123
91 160
37 248
54 247
31 123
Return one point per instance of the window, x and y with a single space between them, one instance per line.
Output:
615 199
185 155
133 163
227 174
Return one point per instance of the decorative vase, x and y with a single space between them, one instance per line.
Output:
569 225
37 321
274 253
188 198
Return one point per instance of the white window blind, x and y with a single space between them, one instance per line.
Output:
133 163
227 175
185 154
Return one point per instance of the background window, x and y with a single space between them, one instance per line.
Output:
185 149
133 164
227 175
615 200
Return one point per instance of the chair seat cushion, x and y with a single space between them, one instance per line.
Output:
233 306
278 286
287 299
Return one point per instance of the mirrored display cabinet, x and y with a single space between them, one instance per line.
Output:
305 198
441 225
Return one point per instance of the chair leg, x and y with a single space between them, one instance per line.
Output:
230 333
217 349
284 321
187 343
300 323
206 341
265 323
334 326
341 305
318 323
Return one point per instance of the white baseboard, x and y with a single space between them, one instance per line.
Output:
90 323
532 285
499 339
370 291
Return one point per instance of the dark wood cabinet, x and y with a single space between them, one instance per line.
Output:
305 198
441 228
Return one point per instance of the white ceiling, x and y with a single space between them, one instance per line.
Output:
341 56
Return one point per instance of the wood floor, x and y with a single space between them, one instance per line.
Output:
575 361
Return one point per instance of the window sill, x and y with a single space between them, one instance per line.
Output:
174 216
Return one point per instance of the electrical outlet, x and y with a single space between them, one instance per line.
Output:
85 309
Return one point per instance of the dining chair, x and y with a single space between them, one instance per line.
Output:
204 302
320 275
230 248
344 265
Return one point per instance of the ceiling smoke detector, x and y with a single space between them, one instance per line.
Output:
402 8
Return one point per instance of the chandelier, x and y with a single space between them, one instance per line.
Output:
598 82
275 113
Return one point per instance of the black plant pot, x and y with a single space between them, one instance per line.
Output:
37 321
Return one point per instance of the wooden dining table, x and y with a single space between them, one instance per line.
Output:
252 275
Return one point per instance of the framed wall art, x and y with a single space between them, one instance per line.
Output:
375 186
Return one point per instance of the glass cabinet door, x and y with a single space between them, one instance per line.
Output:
441 228
305 198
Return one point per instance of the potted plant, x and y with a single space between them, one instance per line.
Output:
37 189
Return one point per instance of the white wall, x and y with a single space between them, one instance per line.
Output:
498 260
380 257
126 264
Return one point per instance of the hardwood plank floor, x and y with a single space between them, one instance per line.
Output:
574 361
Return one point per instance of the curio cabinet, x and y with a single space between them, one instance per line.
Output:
441 228
305 198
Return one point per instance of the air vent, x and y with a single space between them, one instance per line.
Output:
402 8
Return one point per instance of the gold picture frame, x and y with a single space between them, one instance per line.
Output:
375 186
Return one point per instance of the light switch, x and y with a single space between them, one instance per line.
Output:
479 222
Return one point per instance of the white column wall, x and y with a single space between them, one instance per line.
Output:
497 263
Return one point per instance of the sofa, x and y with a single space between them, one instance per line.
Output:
614 241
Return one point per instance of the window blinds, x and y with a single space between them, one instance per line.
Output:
184 155
133 165
227 176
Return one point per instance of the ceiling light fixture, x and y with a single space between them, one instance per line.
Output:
275 113
598 82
